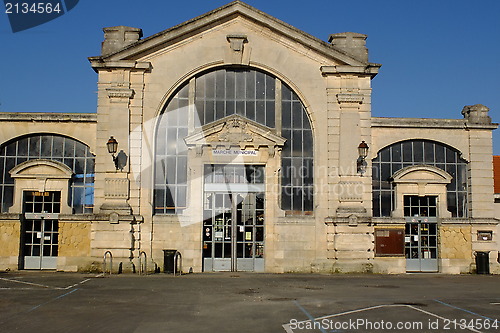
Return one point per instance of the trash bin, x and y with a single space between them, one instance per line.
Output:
169 261
482 262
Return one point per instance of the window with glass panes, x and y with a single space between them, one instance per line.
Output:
68 151
219 93
419 152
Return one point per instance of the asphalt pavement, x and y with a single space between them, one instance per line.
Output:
248 302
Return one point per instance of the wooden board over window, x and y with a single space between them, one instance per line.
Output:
389 242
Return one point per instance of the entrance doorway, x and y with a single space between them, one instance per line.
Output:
233 226
421 240
40 229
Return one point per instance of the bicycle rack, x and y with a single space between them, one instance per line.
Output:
177 262
143 264
107 255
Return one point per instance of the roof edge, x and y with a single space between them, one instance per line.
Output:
224 11
429 123
48 117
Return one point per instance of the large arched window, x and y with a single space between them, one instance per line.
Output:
74 154
216 94
419 152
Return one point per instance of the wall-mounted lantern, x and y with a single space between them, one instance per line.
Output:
361 161
112 148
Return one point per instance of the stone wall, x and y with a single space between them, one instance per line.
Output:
10 235
456 242
74 239
74 246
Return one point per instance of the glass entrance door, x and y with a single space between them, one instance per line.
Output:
421 240
233 225
40 229
233 233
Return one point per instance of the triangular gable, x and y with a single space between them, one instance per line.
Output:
227 12
235 131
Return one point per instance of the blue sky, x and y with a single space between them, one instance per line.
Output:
437 56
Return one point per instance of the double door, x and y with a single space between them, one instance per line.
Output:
40 232
233 231
421 245
421 236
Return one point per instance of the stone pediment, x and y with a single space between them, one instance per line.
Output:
427 174
137 49
41 169
235 131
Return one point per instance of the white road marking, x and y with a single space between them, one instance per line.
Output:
30 283
43 285
289 330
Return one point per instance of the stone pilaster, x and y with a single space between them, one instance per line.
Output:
349 123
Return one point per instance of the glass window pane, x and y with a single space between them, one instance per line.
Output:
220 84
57 146
69 148
250 110
261 112
260 85
376 203
240 109
250 85
286 93
407 151
46 146
297 115
34 146
241 85
429 153
450 156
418 151
440 153
386 201
220 111
22 147
286 115
210 86
270 114
270 84
286 171
297 143
385 155
396 153
200 88
209 112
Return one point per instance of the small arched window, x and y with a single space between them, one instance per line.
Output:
74 154
419 152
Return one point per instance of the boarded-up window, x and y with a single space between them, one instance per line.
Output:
389 242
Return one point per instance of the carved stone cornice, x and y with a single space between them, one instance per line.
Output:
370 70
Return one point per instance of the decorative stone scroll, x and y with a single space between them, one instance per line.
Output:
235 130
350 98
120 95
236 42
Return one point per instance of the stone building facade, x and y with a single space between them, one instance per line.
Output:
246 145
